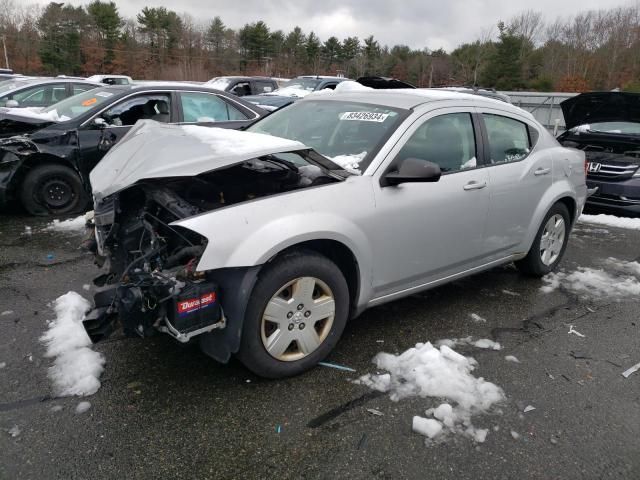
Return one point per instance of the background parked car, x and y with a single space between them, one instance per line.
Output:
40 92
48 169
606 126
243 86
111 79
294 89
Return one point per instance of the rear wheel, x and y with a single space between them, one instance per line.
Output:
296 314
53 189
549 245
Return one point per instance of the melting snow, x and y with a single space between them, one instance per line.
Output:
477 318
611 221
621 280
350 163
83 407
76 367
72 225
6 312
511 358
481 343
427 371
15 431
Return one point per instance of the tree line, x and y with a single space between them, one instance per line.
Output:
592 50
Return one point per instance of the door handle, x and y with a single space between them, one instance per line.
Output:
473 185
541 171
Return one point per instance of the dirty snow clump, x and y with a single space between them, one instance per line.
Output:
427 371
77 224
619 278
83 407
512 358
477 318
350 162
76 367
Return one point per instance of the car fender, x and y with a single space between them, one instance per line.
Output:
252 233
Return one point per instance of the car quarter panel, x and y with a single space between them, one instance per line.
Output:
252 233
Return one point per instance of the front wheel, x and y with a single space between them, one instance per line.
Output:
53 189
549 245
295 316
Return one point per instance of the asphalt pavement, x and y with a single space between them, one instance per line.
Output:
165 411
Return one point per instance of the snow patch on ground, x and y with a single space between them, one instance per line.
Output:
77 224
6 312
76 367
427 371
83 407
512 358
481 343
611 221
477 318
619 279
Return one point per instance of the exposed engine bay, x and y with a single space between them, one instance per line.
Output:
150 280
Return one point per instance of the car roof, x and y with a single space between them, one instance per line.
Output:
241 77
321 77
410 98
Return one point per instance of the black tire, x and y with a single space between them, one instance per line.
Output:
532 265
253 353
53 190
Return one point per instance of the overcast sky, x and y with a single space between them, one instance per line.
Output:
417 23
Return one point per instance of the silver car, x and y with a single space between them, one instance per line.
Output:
263 243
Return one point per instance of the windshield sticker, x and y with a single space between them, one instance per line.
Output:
91 101
103 94
364 116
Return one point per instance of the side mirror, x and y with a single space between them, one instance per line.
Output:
413 170
99 122
12 104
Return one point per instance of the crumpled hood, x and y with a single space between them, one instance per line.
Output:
597 107
155 150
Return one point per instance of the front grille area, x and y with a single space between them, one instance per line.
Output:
612 171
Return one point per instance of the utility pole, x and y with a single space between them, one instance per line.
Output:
6 58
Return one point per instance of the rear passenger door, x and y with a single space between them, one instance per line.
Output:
209 109
519 176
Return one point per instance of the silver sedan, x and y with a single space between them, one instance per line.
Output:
337 203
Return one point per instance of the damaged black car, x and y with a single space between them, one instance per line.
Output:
45 164
606 126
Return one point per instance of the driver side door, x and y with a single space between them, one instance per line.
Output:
428 231
95 141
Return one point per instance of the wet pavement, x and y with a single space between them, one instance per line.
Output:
168 411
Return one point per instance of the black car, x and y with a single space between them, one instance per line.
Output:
243 86
47 166
606 126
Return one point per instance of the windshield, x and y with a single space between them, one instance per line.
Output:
628 128
348 133
219 83
75 106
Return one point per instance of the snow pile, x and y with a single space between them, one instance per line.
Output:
77 224
484 343
295 91
428 371
611 221
351 86
477 318
622 280
76 368
350 162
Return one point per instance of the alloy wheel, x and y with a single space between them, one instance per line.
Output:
297 319
552 239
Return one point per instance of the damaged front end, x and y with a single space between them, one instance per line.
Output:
151 282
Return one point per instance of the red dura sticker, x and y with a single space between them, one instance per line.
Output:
193 304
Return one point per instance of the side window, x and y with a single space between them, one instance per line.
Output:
447 140
207 107
58 93
80 87
508 138
330 86
263 87
141 107
34 96
241 89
